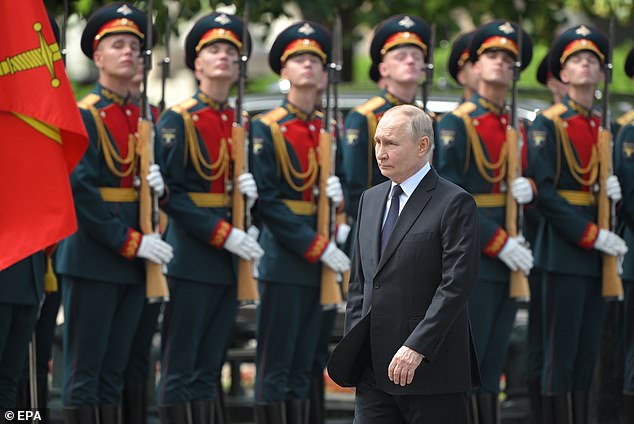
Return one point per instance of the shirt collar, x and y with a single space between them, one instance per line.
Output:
211 102
489 105
410 184
299 113
112 96
395 100
578 107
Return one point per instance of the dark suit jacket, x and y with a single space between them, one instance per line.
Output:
416 293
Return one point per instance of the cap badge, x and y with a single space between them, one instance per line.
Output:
222 19
406 22
583 31
306 29
124 10
507 28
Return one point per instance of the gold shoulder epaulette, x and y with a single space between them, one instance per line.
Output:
554 110
274 115
464 109
370 105
88 101
626 118
184 105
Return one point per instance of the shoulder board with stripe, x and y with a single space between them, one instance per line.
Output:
626 118
554 110
274 115
464 109
183 106
370 105
88 101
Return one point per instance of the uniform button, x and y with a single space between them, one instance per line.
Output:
102 114
311 127
223 117
565 124
283 129
195 118
128 112
592 124
503 120
377 285
475 122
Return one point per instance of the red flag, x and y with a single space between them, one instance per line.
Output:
42 136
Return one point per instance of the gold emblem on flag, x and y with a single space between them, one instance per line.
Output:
44 55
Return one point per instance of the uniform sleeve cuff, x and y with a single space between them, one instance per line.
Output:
589 236
131 244
220 234
316 249
496 243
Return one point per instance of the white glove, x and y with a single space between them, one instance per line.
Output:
335 259
241 244
343 231
522 190
516 256
154 249
610 243
334 190
155 180
613 188
248 187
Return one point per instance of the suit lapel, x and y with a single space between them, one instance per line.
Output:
411 211
375 212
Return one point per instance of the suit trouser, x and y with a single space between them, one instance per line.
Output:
328 317
628 307
492 315
289 318
573 318
197 324
374 406
16 327
535 316
138 367
99 326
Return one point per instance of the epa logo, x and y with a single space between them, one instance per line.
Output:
22 416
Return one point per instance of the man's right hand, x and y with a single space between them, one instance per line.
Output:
243 245
609 243
335 259
516 256
154 249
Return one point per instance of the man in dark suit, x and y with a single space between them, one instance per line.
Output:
407 346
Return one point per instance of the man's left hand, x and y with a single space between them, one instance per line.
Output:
403 366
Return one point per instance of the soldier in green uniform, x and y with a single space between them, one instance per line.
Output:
101 264
195 154
460 66
563 162
472 154
399 53
285 164
138 369
531 226
624 170
21 290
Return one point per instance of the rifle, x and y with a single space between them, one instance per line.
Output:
518 287
429 67
165 63
326 211
612 287
241 216
156 285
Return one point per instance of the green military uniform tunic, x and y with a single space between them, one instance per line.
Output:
564 166
472 153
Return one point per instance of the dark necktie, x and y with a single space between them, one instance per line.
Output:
392 216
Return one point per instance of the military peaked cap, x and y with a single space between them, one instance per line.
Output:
399 31
501 35
302 37
459 54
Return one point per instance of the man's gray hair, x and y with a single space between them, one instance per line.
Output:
420 123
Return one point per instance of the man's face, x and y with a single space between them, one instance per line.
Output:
468 77
217 61
398 156
403 65
495 67
117 55
581 69
304 70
